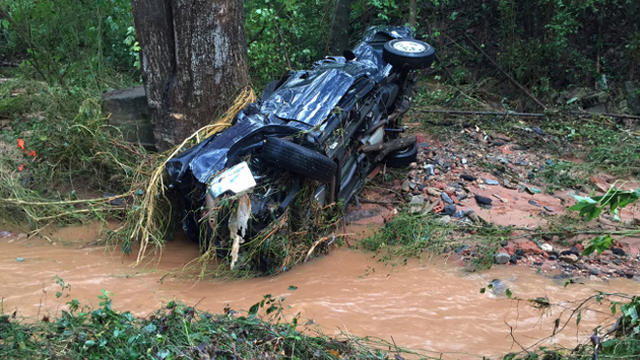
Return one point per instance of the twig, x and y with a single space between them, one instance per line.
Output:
516 83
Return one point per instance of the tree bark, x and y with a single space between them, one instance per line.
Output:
413 13
339 34
194 62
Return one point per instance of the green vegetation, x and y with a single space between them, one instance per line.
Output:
176 331
619 341
412 235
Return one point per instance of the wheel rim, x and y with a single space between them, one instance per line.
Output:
409 46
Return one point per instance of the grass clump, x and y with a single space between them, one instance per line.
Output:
176 331
410 235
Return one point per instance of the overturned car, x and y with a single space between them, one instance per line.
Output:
321 129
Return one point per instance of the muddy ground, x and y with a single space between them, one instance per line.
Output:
473 178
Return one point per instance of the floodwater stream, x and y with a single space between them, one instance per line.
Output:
429 305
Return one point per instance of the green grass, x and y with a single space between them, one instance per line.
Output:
412 235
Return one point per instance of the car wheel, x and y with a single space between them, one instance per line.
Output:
402 158
298 159
408 53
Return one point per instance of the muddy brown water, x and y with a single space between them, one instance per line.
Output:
426 304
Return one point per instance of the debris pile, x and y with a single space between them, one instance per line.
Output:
482 179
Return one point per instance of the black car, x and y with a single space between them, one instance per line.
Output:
309 125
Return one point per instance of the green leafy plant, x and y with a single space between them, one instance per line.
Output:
591 207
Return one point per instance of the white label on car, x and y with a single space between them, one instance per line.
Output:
237 179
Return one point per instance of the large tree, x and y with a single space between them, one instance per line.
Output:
339 35
194 61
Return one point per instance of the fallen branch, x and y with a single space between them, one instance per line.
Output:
474 112
521 114
320 241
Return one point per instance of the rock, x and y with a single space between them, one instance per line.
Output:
416 205
575 250
458 214
594 271
510 185
513 259
569 258
502 258
5 234
461 249
618 251
444 219
446 198
429 170
406 186
482 200
537 130
433 191
474 217
528 247
548 209
491 182
534 203
467 177
19 259
497 286
449 210
130 113
553 257
546 247
532 190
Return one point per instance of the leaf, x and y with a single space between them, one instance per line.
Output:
578 318
508 293
150 328
254 309
631 312
599 244
482 290
293 287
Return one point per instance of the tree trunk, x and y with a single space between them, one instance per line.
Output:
194 62
413 13
339 34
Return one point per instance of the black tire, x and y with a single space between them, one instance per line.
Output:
298 159
396 52
402 158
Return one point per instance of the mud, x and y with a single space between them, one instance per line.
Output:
425 304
